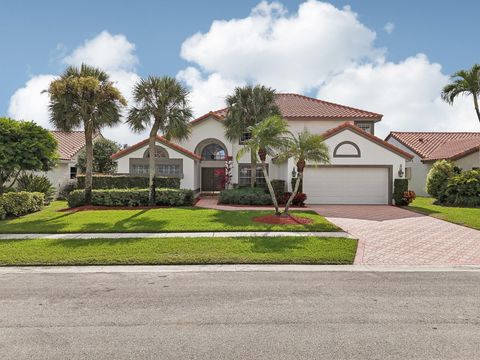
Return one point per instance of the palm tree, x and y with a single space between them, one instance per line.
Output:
246 107
85 97
302 148
266 137
162 104
465 82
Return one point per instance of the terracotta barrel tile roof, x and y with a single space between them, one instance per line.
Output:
69 143
432 146
161 139
295 106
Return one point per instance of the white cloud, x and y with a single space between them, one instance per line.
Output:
325 50
407 93
30 103
207 93
289 52
108 52
112 53
389 27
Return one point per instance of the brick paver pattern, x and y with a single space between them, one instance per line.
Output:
388 235
393 236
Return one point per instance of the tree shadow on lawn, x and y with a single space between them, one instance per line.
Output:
276 244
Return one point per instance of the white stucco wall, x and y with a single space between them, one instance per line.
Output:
470 161
315 126
187 182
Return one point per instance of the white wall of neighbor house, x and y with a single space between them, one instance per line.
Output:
469 162
187 182
418 169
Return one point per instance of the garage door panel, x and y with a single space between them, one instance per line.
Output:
346 185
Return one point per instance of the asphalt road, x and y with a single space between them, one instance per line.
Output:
249 315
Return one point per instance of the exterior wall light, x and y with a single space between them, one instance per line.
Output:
400 172
294 173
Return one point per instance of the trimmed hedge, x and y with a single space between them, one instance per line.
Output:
20 203
400 186
31 182
127 182
463 189
245 196
132 197
438 176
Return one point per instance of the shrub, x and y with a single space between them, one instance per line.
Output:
21 203
127 182
438 176
463 189
245 196
66 188
298 200
409 196
31 182
400 186
3 213
132 197
278 188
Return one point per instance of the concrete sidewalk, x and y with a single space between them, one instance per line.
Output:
175 235
221 268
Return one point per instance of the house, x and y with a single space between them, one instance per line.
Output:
69 145
362 169
463 148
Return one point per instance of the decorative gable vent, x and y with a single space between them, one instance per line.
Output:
347 149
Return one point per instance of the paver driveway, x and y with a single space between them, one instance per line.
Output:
392 236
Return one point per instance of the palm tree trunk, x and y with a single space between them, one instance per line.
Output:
475 103
89 163
294 192
270 188
151 168
253 169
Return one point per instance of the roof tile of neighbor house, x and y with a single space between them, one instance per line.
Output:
161 139
431 146
295 106
356 129
69 143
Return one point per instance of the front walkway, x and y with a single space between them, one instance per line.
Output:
393 236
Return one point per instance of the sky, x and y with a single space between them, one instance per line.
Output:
390 57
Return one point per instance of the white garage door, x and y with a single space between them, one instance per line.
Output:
344 185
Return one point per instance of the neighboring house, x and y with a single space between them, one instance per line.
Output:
463 148
362 167
69 145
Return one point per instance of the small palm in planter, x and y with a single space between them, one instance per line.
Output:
266 138
304 147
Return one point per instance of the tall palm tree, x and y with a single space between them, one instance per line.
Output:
246 107
302 148
85 97
162 104
464 82
266 138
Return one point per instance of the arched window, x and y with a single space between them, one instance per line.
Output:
213 152
160 153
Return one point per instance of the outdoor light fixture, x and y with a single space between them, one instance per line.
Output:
294 173
400 172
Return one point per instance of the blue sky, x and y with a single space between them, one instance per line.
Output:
37 36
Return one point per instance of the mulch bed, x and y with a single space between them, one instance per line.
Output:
283 220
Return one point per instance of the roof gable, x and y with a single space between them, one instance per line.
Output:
70 142
300 107
368 136
160 139
431 146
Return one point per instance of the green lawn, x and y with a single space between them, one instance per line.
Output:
190 219
458 215
251 250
